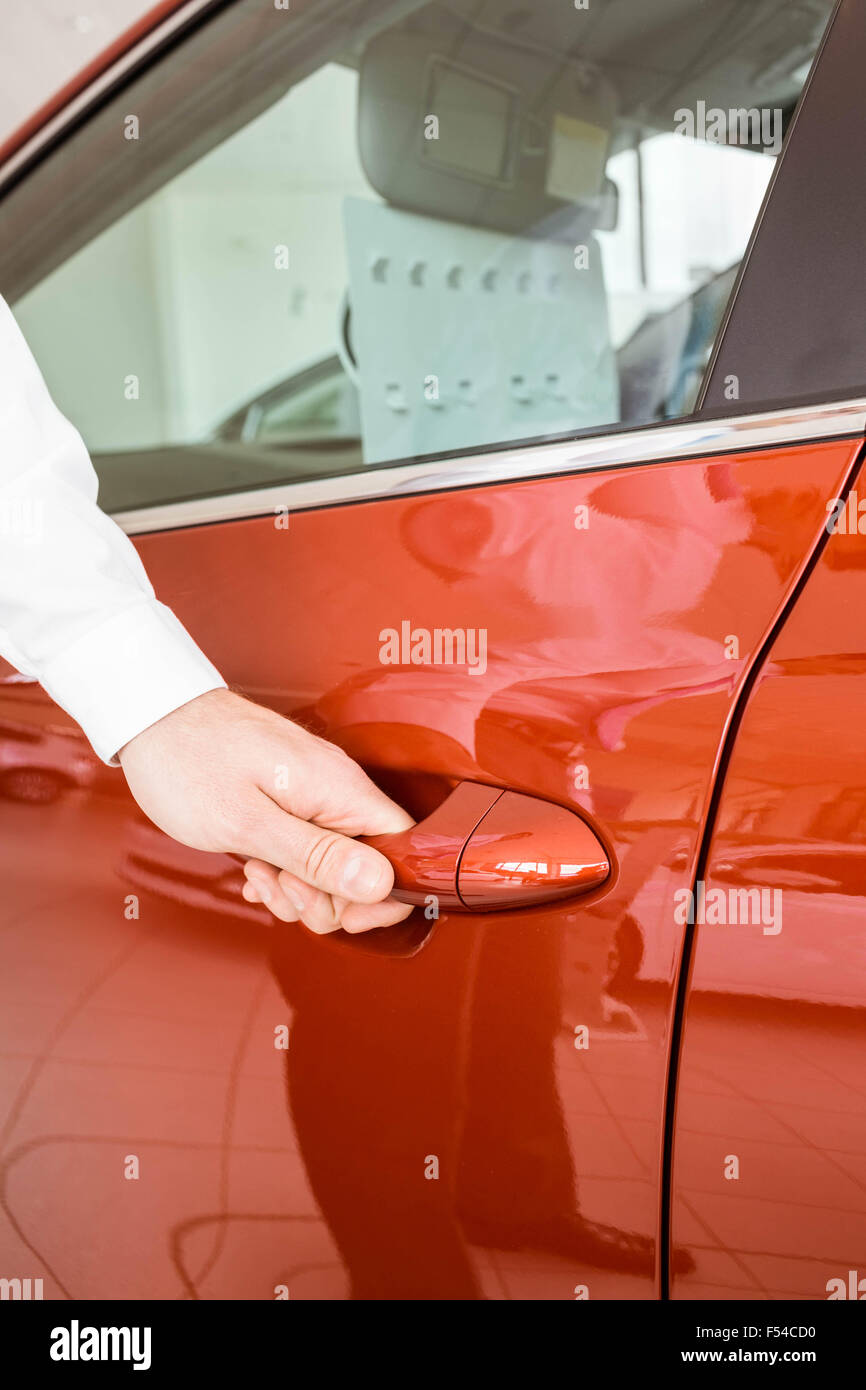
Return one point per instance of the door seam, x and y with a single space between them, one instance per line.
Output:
729 738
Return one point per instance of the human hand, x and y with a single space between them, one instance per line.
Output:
223 774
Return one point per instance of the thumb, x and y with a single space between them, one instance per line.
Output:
322 857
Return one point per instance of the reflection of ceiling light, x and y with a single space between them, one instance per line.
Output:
82 23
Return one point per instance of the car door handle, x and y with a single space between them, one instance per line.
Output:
486 849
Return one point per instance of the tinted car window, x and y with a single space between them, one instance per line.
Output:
462 228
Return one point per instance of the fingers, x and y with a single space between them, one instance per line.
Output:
262 885
322 859
291 900
361 917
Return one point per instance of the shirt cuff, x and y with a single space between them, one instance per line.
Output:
124 675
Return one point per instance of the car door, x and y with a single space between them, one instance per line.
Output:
769 1149
545 579
768 1129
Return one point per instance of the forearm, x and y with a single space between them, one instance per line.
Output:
77 610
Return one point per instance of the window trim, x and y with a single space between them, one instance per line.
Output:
709 370
693 438
759 326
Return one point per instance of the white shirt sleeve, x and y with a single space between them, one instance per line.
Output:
77 611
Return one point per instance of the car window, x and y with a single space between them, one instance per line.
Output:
463 226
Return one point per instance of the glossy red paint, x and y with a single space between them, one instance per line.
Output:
774 1038
521 1056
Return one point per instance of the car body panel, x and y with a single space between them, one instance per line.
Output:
774 1033
467 1107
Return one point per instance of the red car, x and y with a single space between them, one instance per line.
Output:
484 386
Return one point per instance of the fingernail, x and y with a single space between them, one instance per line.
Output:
263 889
361 875
297 903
